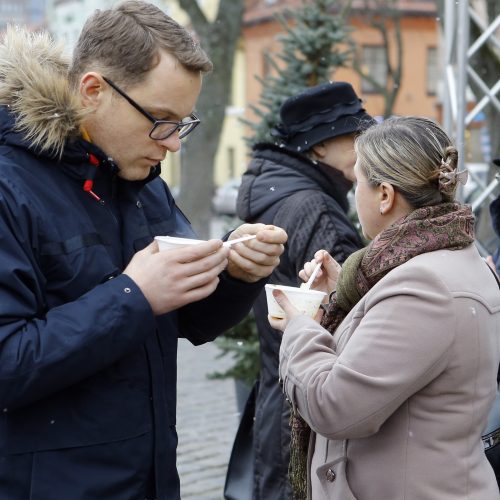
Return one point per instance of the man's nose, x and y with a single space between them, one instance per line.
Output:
171 143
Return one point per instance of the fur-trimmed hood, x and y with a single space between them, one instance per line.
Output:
34 86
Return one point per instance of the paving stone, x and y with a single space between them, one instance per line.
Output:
207 420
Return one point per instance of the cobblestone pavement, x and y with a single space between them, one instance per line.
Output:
207 421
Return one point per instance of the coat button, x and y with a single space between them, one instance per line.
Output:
330 475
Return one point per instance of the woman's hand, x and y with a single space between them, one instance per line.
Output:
326 279
286 305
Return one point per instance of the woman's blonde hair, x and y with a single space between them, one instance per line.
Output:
414 155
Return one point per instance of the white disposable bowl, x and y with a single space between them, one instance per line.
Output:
306 301
169 242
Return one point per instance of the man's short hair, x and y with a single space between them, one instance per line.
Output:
124 42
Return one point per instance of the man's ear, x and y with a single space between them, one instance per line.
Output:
91 89
319 150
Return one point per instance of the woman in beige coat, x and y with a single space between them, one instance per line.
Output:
391 392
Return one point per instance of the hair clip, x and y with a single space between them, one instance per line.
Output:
449 177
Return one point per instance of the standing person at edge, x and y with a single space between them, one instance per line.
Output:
90 310
302 184
392 392
494 260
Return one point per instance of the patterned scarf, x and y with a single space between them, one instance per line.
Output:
444 226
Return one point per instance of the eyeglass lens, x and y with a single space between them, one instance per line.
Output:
162 130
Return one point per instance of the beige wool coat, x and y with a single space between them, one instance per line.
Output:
399 396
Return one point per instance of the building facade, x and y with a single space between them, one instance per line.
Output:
22 12
418 91
66 17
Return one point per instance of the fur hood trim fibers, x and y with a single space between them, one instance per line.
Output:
34 85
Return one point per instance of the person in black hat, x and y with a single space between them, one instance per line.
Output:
299 183
494 260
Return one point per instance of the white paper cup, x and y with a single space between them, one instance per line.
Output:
306 301
169 242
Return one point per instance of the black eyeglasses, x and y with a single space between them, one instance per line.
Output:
162 129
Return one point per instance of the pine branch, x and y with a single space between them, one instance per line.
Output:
311 52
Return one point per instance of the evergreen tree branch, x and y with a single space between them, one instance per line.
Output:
311 52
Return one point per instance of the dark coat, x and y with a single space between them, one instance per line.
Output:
315 217
495 219
87 372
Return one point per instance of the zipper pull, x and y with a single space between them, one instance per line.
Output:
89 183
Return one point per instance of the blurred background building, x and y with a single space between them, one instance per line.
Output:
22 12
420 40
65 18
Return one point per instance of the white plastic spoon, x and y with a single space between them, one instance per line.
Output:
309 282
238 240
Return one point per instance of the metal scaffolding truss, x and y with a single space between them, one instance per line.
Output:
458 72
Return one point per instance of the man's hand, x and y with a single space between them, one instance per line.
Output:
255 259
173 278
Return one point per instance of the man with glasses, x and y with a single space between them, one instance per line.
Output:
90 310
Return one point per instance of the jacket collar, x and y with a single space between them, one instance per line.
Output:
328 179
75 157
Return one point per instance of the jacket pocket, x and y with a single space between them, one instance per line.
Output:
74 266
112 405
117 470
333 479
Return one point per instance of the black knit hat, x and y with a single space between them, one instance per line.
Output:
319 113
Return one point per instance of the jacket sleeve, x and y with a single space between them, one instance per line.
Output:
43 351
320 223
400 343
202 321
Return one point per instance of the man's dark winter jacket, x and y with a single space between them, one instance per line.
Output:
309 201
87 372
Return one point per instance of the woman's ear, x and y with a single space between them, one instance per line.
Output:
387 196
91 88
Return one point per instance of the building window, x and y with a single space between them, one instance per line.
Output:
432 70
373 64
266 63
231 161
230 96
